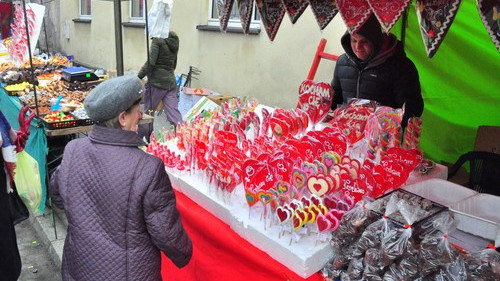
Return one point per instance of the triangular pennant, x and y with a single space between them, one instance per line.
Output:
271 14
435 19
388 11
295 8
245 7
354 13
224 8
324 11
489 10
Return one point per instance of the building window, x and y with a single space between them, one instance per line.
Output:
85 9
234 20
137 11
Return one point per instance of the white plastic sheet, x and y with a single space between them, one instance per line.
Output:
159 17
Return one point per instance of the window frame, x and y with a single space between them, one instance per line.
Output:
82 16
137 19
234 23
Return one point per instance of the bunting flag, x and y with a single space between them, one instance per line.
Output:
388 11
295 8
224 8
271 14
435 18
489 10
324 11
354 13
245 7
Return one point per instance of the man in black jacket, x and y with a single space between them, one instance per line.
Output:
375 67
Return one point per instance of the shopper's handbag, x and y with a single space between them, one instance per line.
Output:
17 207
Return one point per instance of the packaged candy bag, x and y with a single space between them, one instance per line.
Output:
375 232
483 265
352 225
395 244
404 270
435 249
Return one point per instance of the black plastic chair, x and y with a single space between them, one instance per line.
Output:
484 173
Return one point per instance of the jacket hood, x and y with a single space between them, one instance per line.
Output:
372 31
172 41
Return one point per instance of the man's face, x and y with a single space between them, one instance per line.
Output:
361 47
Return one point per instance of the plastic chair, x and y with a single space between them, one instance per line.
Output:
484 173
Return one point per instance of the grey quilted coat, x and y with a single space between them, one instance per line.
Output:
120 208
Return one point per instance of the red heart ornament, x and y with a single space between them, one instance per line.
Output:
349 186
388 11
315 99
354 13
330 203
335 213
283 214
317 186
332 218
323 223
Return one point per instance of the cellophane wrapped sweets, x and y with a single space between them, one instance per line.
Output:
483 265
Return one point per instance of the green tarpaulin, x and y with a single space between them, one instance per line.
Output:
460 84
37 142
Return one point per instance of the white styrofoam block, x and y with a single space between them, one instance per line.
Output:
479 215
440 191
304 257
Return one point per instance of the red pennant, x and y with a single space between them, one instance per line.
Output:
489 10
245 7
388 11
324 11
271 14
354 13
435 20
295 8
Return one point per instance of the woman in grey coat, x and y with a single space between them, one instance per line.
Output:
118 199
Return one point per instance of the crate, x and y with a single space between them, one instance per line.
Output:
422 225
85 122
440 191
479 215
61 124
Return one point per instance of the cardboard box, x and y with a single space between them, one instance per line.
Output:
219 99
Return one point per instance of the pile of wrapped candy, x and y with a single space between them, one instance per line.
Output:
404 237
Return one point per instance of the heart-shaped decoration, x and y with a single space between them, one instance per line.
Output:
264 196
323 223
282 168
306 202
317 186
310 169
224 8
295 8
489 11
388 11
328 159
393 173
343 206
312 214
324 11
297 221
354 13
333 219
349 200
299 178
330 203
349 186
322 169
323 209
271 14
315 210
279 127
283 187
435 21
304 216
315 99
296 204
335 214
251 197
351 120
245 7
316 200
283 214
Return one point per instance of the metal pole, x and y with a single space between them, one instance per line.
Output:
150 110
45 32
31 59
118 37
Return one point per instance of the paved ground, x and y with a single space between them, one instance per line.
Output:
37 263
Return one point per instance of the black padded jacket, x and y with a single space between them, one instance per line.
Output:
390 78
